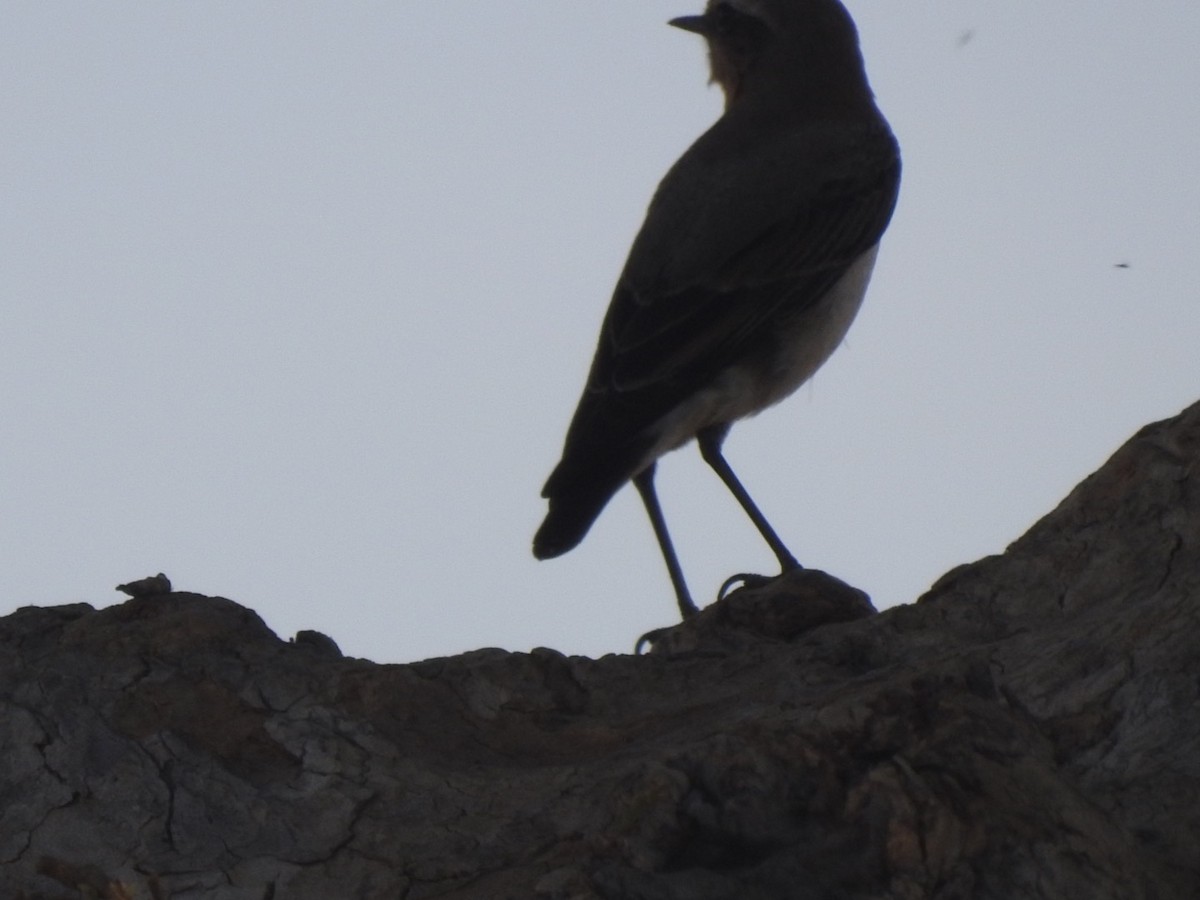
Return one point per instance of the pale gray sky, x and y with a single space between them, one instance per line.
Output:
298 299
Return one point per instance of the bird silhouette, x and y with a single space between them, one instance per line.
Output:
748 270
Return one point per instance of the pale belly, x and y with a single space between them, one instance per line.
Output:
741 390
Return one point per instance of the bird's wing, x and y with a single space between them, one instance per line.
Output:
730 239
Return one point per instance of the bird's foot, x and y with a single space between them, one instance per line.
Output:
752 607
742 580
750 580
645 644
687 611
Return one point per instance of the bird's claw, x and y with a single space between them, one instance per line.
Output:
742 580
648 640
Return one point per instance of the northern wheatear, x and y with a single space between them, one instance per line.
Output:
751 264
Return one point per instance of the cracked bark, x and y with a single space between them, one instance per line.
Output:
1029 728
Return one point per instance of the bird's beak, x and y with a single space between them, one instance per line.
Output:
695 24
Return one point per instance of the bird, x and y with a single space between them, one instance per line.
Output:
749 268
147 587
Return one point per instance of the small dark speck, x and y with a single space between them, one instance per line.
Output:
1121 266
966 37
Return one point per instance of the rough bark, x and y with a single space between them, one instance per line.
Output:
1028 729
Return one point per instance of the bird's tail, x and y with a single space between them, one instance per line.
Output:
572 513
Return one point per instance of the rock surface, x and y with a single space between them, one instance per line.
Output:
1029 729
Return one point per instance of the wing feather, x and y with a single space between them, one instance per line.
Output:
720 255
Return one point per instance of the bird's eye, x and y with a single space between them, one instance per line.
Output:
725 18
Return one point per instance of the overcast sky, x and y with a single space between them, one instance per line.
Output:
298 300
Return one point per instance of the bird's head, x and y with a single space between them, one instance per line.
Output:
803 49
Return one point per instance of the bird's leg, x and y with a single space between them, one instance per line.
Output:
710 440
644 481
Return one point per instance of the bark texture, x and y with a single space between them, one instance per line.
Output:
1030 728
